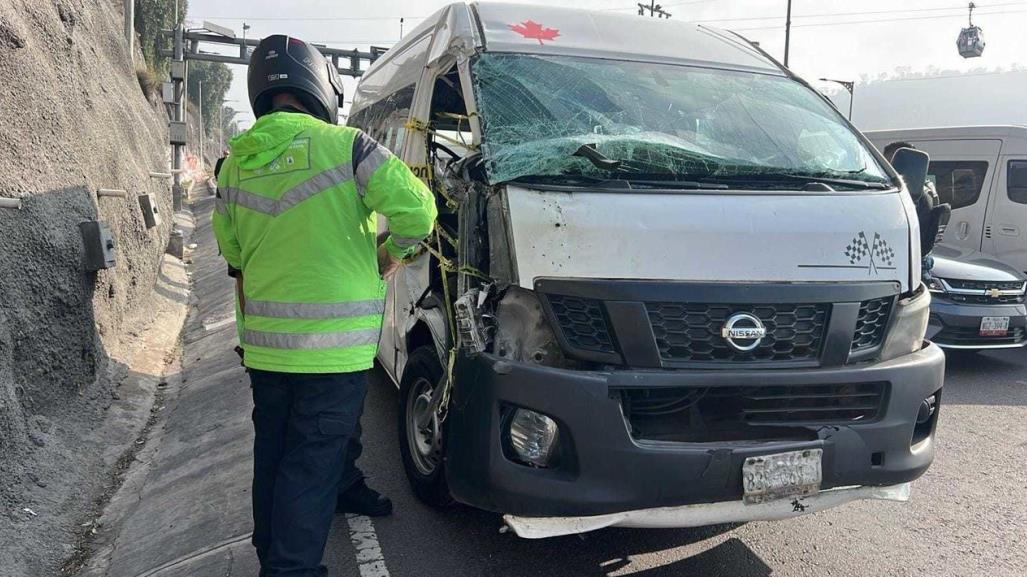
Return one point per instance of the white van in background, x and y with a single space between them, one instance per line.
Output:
982 172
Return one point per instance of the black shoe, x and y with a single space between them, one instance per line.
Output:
363 500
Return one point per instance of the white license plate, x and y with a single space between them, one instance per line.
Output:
782 475
994 326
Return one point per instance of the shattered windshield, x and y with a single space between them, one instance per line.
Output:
656 121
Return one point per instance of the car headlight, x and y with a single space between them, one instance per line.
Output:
934 285
909 325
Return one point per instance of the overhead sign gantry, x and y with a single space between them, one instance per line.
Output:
183 45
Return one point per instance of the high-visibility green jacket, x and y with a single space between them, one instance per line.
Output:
296 214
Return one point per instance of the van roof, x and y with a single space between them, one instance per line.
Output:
536 29
1010 131
577 32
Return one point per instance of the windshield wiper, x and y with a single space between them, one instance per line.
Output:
803 180
598 159
855 183
629 183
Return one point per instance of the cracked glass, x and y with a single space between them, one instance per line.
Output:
657 122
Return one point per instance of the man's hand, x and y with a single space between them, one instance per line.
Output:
387 264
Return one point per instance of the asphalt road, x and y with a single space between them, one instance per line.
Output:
967 516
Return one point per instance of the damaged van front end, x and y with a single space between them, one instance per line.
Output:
670 285
620 401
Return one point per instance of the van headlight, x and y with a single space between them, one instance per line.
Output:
909 325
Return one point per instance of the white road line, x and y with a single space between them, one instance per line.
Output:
214 325
368 551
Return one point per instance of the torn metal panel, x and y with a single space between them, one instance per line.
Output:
455 34
523 332
705 513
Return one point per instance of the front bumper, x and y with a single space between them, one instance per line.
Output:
606 471
703 514
956 325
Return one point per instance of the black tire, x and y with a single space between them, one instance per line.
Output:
422 369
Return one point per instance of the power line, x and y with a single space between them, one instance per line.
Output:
962 10
674 5
873 21
304 18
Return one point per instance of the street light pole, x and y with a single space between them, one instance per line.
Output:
788 30
848 85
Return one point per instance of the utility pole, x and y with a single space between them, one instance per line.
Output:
179 81
203 127
788 30
655 10
848 85
130 16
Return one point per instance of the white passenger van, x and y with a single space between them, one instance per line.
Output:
670 285
982 172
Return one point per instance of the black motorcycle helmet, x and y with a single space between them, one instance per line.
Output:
284 64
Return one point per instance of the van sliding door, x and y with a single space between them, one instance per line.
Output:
963 172
1005 235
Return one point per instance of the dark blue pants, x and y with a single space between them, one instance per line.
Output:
307 441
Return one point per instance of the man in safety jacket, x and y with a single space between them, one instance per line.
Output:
295 218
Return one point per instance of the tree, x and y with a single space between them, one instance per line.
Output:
230 125
216 78
151 17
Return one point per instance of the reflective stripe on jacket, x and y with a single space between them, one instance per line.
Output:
295 212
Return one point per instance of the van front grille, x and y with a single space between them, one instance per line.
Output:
871 323
583 323
691 332
703 414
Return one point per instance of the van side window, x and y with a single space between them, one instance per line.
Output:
384 120
1016 182
959 182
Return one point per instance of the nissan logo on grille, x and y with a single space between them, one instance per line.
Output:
743 331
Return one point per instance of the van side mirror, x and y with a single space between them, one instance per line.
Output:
912 166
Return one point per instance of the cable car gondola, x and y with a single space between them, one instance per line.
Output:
971 39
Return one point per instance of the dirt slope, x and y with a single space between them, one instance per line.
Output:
74 120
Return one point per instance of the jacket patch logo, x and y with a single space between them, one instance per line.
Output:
532 29
872 256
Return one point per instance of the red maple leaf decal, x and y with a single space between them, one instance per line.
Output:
532 29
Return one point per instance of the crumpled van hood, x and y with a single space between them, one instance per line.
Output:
268 138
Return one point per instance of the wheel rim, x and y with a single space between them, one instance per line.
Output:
423 431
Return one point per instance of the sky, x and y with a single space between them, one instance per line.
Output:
842 39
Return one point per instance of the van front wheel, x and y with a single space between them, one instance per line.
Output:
421 439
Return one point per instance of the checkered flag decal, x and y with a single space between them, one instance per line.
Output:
882 253
859 248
